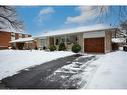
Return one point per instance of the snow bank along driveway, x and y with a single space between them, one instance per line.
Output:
111 72
69 76
12 61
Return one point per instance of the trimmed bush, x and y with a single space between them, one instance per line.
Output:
76 48
52 48
62 47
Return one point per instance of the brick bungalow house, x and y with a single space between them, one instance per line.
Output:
92 39
7 36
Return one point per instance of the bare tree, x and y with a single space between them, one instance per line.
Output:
119 13
8 18
123 29
123 24
119 18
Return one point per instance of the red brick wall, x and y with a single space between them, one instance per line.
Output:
16 35
23 35
5 37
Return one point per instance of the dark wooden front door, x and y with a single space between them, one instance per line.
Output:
94 45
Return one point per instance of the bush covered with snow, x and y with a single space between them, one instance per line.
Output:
62 47
76 48
52 48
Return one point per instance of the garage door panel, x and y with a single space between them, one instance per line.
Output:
94 45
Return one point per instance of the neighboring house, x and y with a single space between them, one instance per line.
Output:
119 38
7 36
29 43
24 43
118 42
92 39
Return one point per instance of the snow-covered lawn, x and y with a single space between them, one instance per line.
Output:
12 61
109 71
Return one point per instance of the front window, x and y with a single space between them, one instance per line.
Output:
62 40
71 39
20 35
66 39
42 42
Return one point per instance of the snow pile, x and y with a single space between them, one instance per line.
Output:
118 40
111 71
12 61
70 76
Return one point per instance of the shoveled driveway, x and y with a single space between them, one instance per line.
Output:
35 77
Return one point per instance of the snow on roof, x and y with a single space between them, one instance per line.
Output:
12 30
78 30
40 37
119 40
22 40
